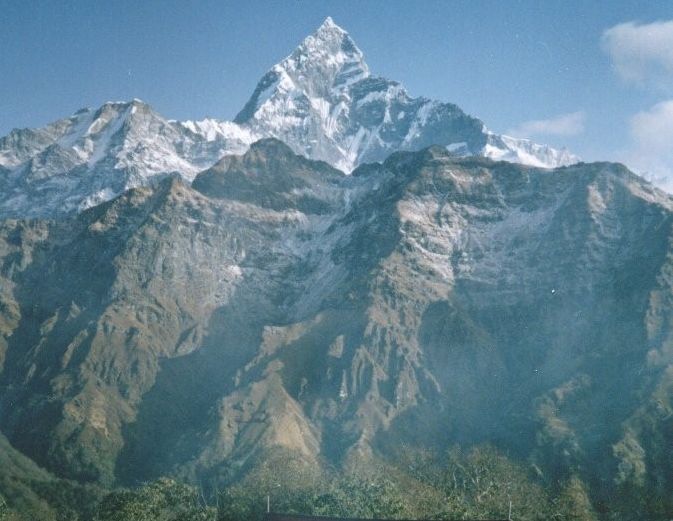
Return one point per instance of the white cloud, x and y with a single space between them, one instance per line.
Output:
653 128
641 53
563 125
651 151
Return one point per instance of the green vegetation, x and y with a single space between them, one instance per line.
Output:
4 509
295 488
164 500
7 514
460 484
476 484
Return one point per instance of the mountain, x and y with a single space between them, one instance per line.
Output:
279 304
94 155
321 100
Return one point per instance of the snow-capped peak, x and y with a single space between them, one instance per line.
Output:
320 100
331 52
323 66
328 24
524 151
326 59
94 155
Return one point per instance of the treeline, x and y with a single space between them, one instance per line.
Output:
477 484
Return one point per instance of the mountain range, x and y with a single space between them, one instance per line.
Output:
342 271
321 100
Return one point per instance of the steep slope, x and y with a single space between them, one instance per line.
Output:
321 101
37 494
280 304
91 304
95 155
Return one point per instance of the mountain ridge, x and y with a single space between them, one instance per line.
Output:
189 299
346 308
321 100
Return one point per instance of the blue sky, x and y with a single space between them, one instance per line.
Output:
571 73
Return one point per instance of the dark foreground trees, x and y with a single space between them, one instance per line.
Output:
476 484
164 500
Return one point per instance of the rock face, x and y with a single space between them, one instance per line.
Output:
321 101
280 303
95 155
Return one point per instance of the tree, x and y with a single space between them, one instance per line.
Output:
4 509
574 503
296 489
371 496
8 514
163 500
